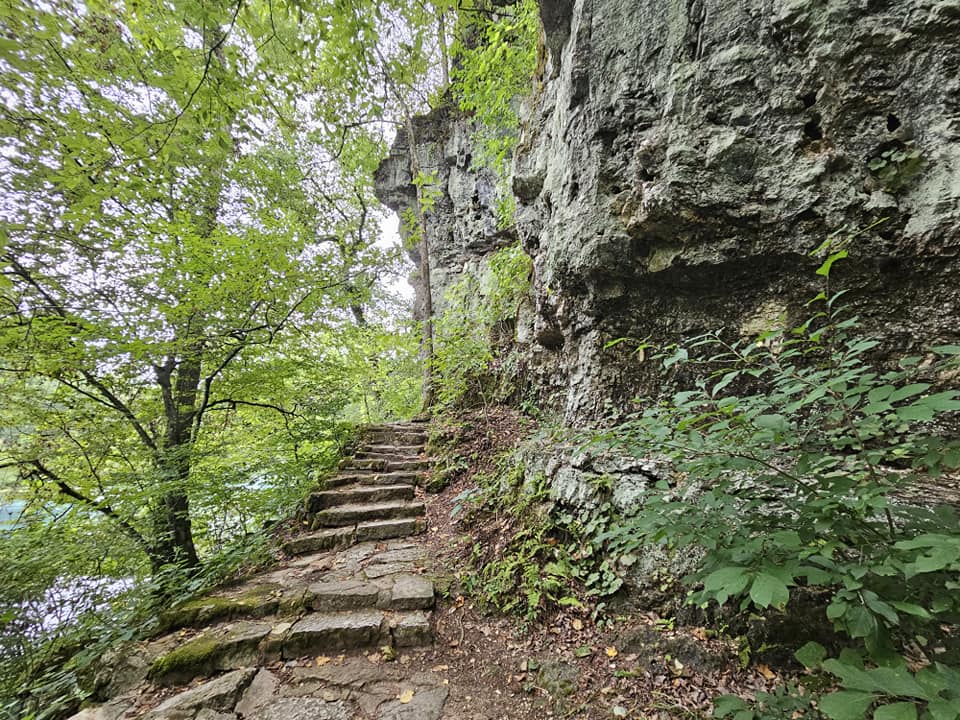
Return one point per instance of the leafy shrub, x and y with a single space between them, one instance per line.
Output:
795 463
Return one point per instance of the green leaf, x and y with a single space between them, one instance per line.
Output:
811 655
846 704
726 581
937 558
896 711
942 401
898 681
902 393
727 705
777 423
824 269
860 622
912 609
917 412
944 709
768 590
852 677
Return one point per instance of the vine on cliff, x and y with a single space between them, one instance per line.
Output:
496 59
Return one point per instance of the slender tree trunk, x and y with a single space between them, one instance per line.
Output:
172 526
429 394
442 41
179 379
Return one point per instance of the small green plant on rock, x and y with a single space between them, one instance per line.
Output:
896 166
531 553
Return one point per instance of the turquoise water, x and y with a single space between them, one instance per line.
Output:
9 512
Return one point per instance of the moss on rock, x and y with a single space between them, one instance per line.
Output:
197 657
258 601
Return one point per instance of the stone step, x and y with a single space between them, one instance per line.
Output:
354 463
415 426
411 450
324 499
216 649
367 478
385 456
390 529
328 539
320 633
381 466
246 644
402 592
357 513
396 437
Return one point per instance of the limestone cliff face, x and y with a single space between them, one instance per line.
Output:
680 159
463 225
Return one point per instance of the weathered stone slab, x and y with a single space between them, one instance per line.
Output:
220 694
360 464
306 708
319 541
259 693
411 592
254 601
425 705
208 714
412 554
108 711
411 630
337 631
355 513
335 595
401 465
392 478
379 570
385 529
358 495
219 649
353 672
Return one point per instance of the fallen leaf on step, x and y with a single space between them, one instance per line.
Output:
612 652
322 660
406 696
439 668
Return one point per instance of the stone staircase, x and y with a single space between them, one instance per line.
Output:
372 496
358 578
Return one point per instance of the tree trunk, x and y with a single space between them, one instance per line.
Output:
172 525
174 534
429 395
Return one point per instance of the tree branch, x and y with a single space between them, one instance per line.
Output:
107 397
41 470
231 404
